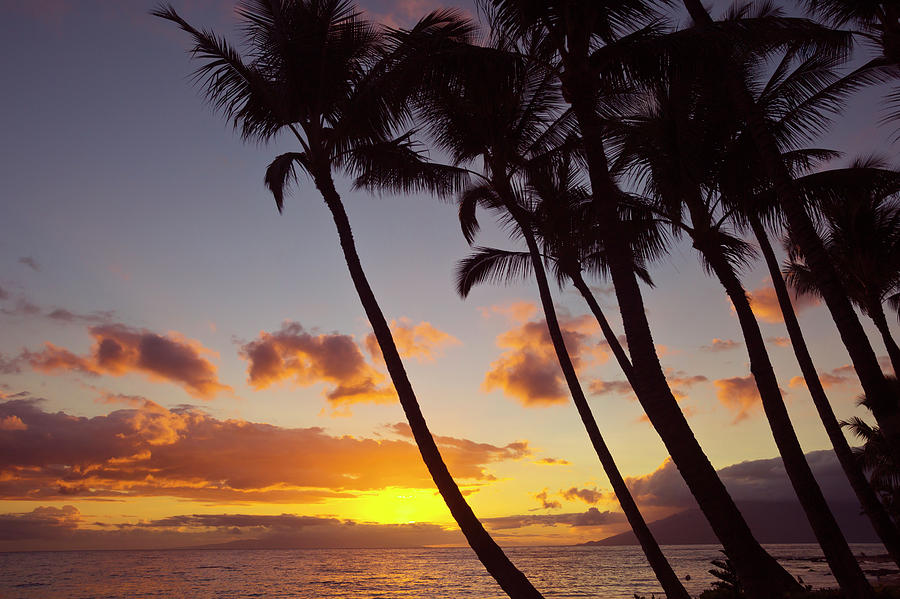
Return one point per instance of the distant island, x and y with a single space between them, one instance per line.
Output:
771 522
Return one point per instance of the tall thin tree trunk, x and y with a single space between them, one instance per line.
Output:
876 313
846 570
872 506
669 582
610 336
510 579
804 235
761 575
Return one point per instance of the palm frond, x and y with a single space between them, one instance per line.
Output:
491 265
282 173
401 165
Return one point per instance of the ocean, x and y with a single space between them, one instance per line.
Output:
451 573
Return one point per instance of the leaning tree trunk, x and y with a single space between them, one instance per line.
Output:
669 582
876 313
761 575
871 505
846 570
610 336
803 233
510 579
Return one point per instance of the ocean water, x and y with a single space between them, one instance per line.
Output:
451 573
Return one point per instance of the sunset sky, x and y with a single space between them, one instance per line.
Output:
181 365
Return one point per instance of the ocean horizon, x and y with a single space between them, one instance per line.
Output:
445 572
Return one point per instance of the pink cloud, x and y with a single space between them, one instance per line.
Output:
119 350
422 341
528 369
292 354
764 303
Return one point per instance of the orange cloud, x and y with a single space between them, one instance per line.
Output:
422 341
51 528
589 496
553 461
12 423
738 394
764 303
718 345
529 371
599 387
545 501
153 451
516 311
294 354
119 349
837 376
780 341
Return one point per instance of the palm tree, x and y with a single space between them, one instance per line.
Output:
862 237
725 53
519 124
877 458
595 48
793 97
673 146
316 71
877 20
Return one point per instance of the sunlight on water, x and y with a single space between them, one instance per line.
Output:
606 572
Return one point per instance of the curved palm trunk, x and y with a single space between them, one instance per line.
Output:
876 313
872 506
761 575
610 336
846 570
804 235
661 567
510 579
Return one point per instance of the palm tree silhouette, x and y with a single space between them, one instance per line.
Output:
317 70
877 458
797 97
727 55
597 45
861 218
674 148
876 20
519 125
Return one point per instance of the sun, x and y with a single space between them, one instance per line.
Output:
399 506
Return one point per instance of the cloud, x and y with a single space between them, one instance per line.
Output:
294 354
836 376
592 517
754 480
40 523
764 303
599 387
589 496
466 451
546 502
739 394
148 450
423 341
718 345
779 341
10 365
30 263
553 462
50 528
528 369
517 312
24 307
119 350
12 423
